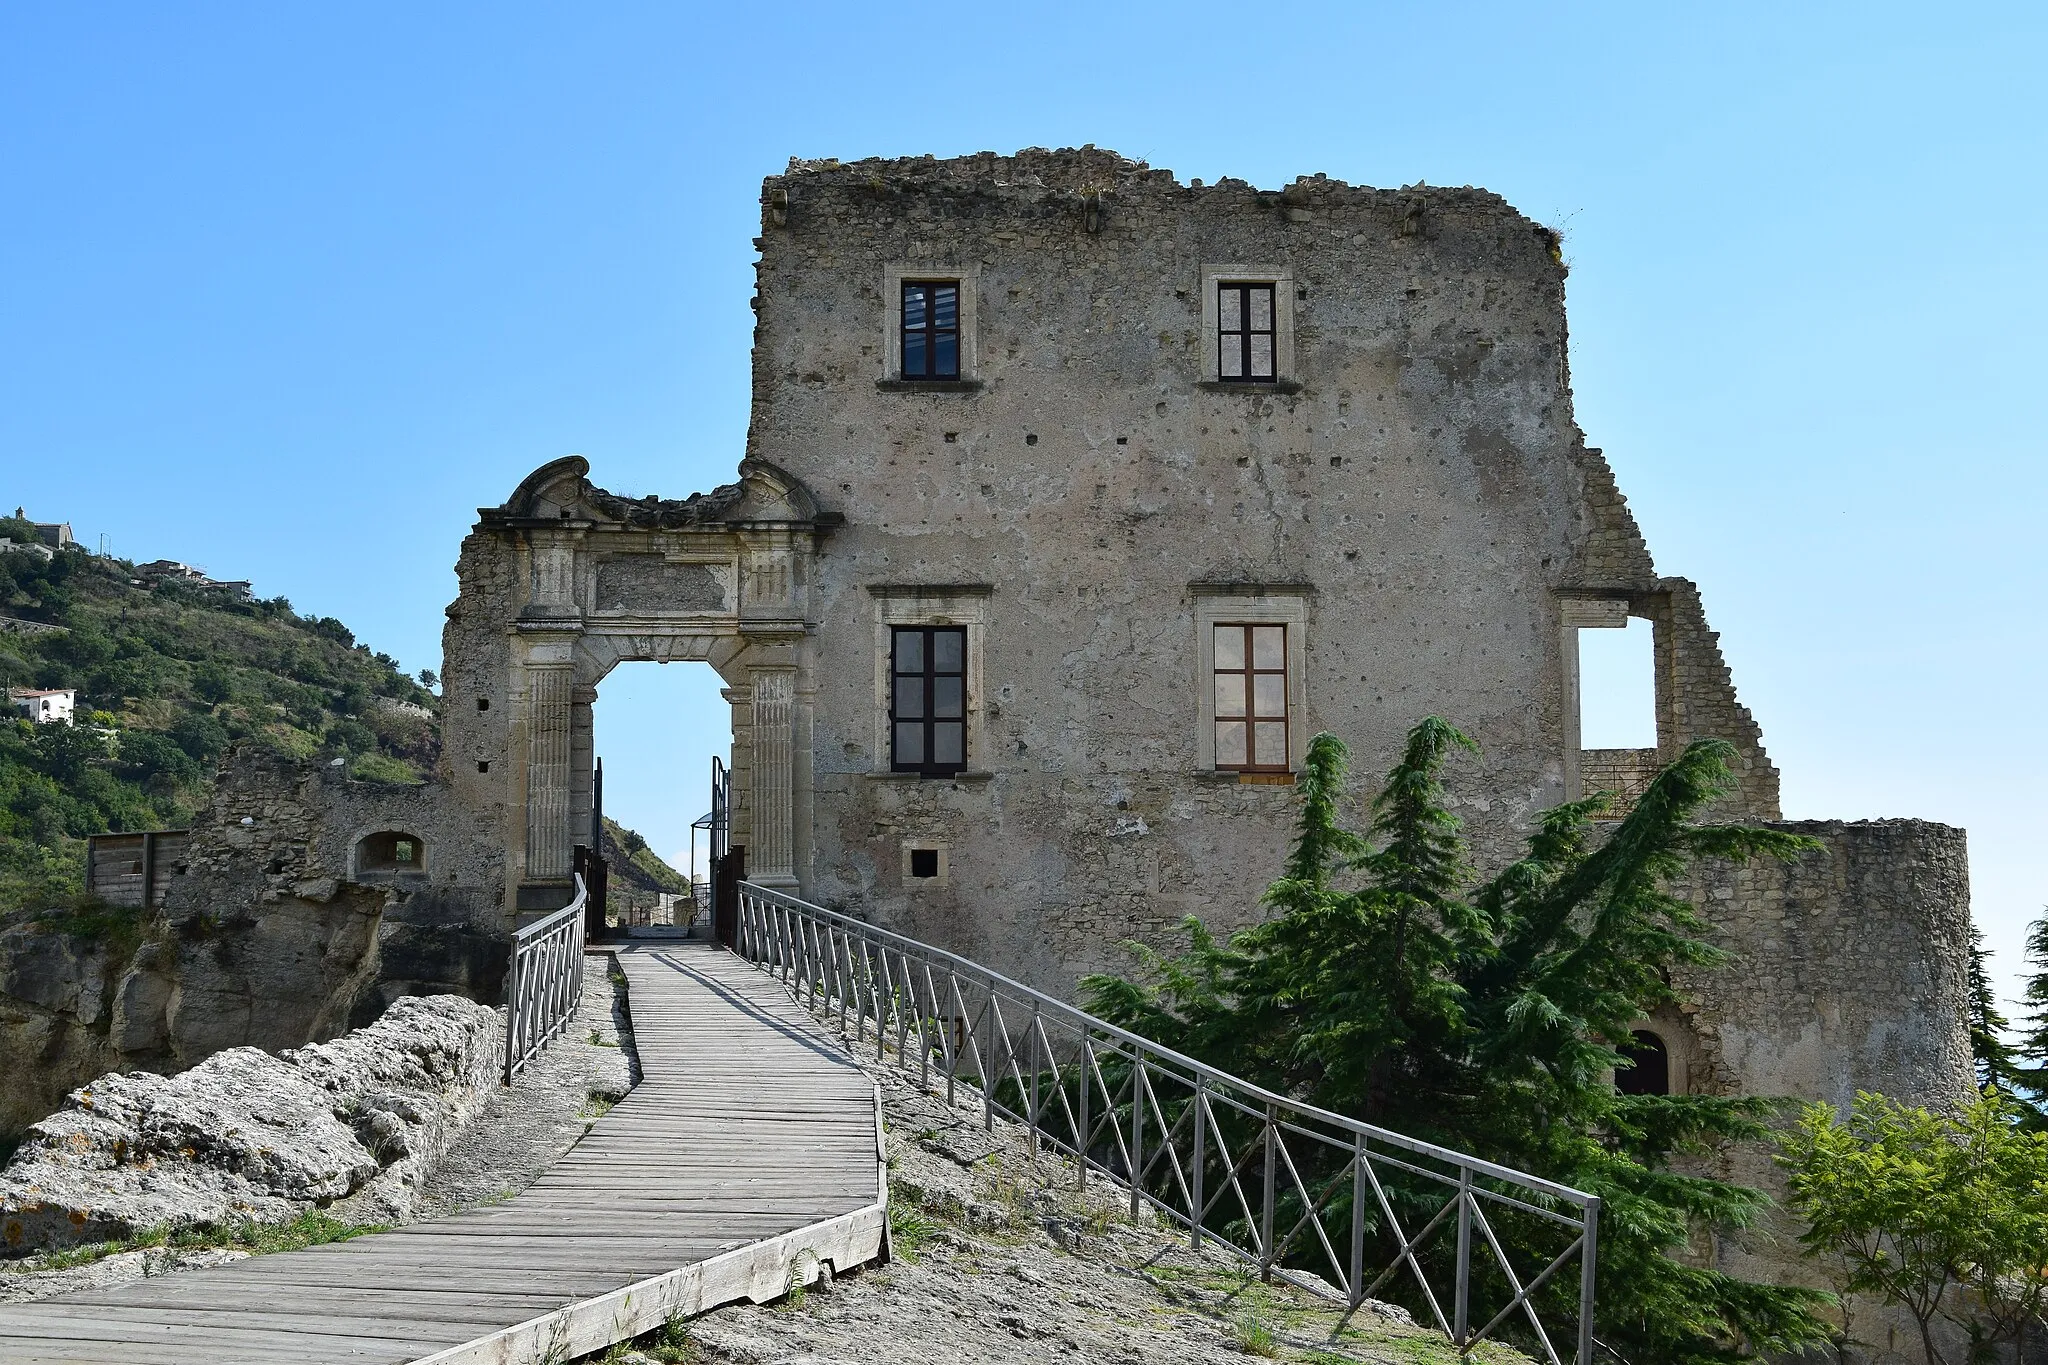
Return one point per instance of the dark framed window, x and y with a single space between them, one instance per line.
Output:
931 329
1651 1074
1251 697
928 699
1244 333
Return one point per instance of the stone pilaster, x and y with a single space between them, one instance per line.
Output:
771 857
548 707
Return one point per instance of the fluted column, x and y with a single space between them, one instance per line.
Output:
547 767
771 857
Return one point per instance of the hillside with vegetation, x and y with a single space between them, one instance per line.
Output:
169 673
635 865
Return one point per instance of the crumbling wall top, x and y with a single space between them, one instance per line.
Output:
1037 173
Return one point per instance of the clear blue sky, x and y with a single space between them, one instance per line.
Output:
289 290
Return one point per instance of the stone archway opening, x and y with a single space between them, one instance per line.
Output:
655 728
564 582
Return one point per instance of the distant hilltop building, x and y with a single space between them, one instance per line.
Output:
55 534
52 706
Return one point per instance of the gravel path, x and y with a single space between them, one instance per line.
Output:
524 1128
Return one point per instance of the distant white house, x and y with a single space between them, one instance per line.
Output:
27 547
45 707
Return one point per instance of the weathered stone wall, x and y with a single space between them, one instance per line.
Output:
478 765
1850 973
1424 488
1696 698
1851 968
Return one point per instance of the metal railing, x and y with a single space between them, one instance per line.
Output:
543 982
1324 1202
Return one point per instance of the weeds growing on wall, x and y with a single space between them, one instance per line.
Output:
1389 985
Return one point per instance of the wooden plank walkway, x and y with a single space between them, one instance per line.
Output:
750 1151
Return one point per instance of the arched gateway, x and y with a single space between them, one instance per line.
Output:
566 581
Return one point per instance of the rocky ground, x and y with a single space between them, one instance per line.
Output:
523 1129
513 1135
1000 1258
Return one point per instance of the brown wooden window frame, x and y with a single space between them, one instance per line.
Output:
929 332
920 684
1248 714
1239 340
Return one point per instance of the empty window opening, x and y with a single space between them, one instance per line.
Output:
1618 688
1251 697
1651 1072
483 703
391 852
928 700
1244 332
924 862
931 329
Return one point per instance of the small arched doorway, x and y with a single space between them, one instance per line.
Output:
1650 1070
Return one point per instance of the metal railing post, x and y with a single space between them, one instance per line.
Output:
1266 1214
1197 1203
1031 1137
1087 1086
952 1033
1356 1288
1462 1311
1137 1129
1588 1259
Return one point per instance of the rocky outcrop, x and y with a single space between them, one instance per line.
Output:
271 936
349 1125
58 991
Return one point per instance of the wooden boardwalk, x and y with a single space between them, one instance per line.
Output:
751 1151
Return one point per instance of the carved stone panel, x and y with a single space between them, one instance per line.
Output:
651 585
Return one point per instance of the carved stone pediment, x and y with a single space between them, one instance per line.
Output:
561 491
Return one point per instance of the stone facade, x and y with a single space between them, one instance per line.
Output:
1085 501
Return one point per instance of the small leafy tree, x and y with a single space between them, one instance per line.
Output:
1385 985
1945 1217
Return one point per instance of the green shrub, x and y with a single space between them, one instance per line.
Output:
1387 986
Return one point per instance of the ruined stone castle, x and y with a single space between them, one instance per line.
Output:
1076 500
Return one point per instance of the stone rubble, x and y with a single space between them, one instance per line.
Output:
347 1126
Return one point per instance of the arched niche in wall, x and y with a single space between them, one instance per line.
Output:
1652 1072
387 856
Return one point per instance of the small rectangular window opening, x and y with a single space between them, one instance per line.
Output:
928 700
931 329
924 862
1618 687
1251 698
1244 333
